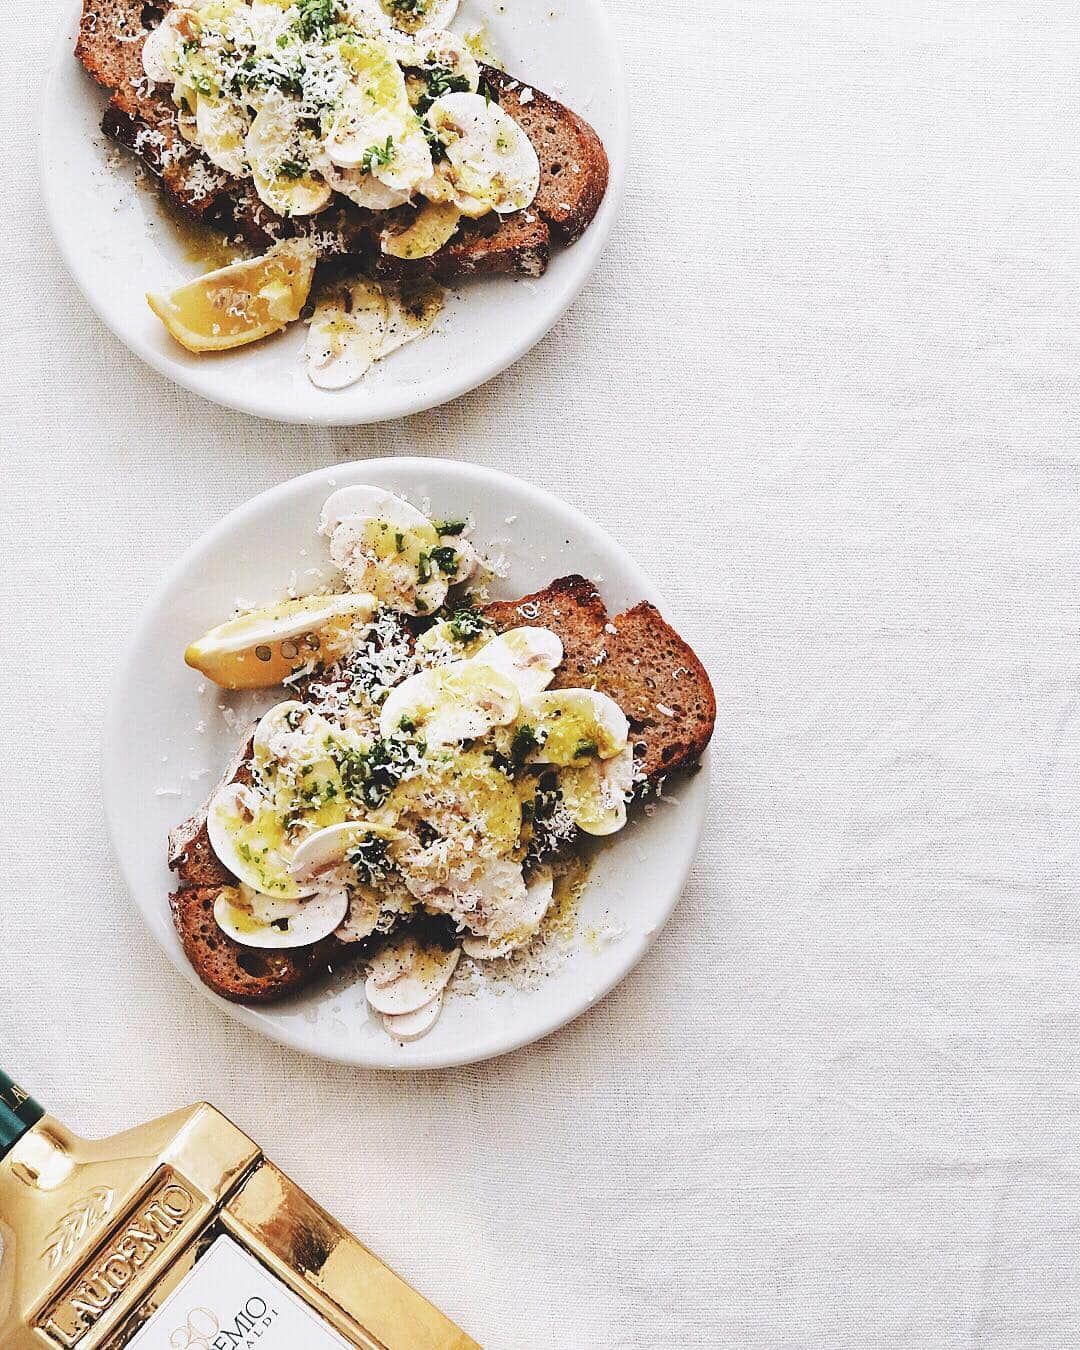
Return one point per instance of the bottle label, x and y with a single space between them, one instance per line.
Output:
230 1301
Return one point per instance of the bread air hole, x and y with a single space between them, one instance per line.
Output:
251 964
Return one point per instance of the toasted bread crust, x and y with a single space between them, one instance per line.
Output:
574 168
663 688
637 659
572 608
240 974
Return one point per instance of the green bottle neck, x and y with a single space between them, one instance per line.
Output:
18 1113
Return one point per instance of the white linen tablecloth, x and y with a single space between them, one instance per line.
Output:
825 386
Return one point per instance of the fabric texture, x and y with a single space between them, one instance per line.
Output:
824 385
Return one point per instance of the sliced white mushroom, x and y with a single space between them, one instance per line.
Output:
597 792
367 16
257 921
365 911
490 163
385 546
373 906
222 129
346 336
375 128
434 225
329 849
574 725
248 837
528 656
453 703
288 187
411 313
405 976
516 925
363 503
411 1026
283 732
362 188
161 46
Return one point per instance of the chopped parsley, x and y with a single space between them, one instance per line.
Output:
445 558
440 80
370 775
467 623
368 858
318 18
291 168
377 155
524 743
449 529
586 749
255 73
423 567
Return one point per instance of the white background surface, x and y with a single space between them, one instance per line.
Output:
825 386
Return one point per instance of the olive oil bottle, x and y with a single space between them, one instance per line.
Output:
180 1235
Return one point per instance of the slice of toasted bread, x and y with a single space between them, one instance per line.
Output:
241 974
111 37
637 658
572 608
573 161
662 687
574 167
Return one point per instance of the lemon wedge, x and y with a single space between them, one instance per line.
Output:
242 303
259 650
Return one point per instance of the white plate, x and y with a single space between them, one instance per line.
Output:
167 740
118 244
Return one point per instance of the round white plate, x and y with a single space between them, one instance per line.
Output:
170 734
118 243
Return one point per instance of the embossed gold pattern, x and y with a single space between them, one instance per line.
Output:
86 1213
